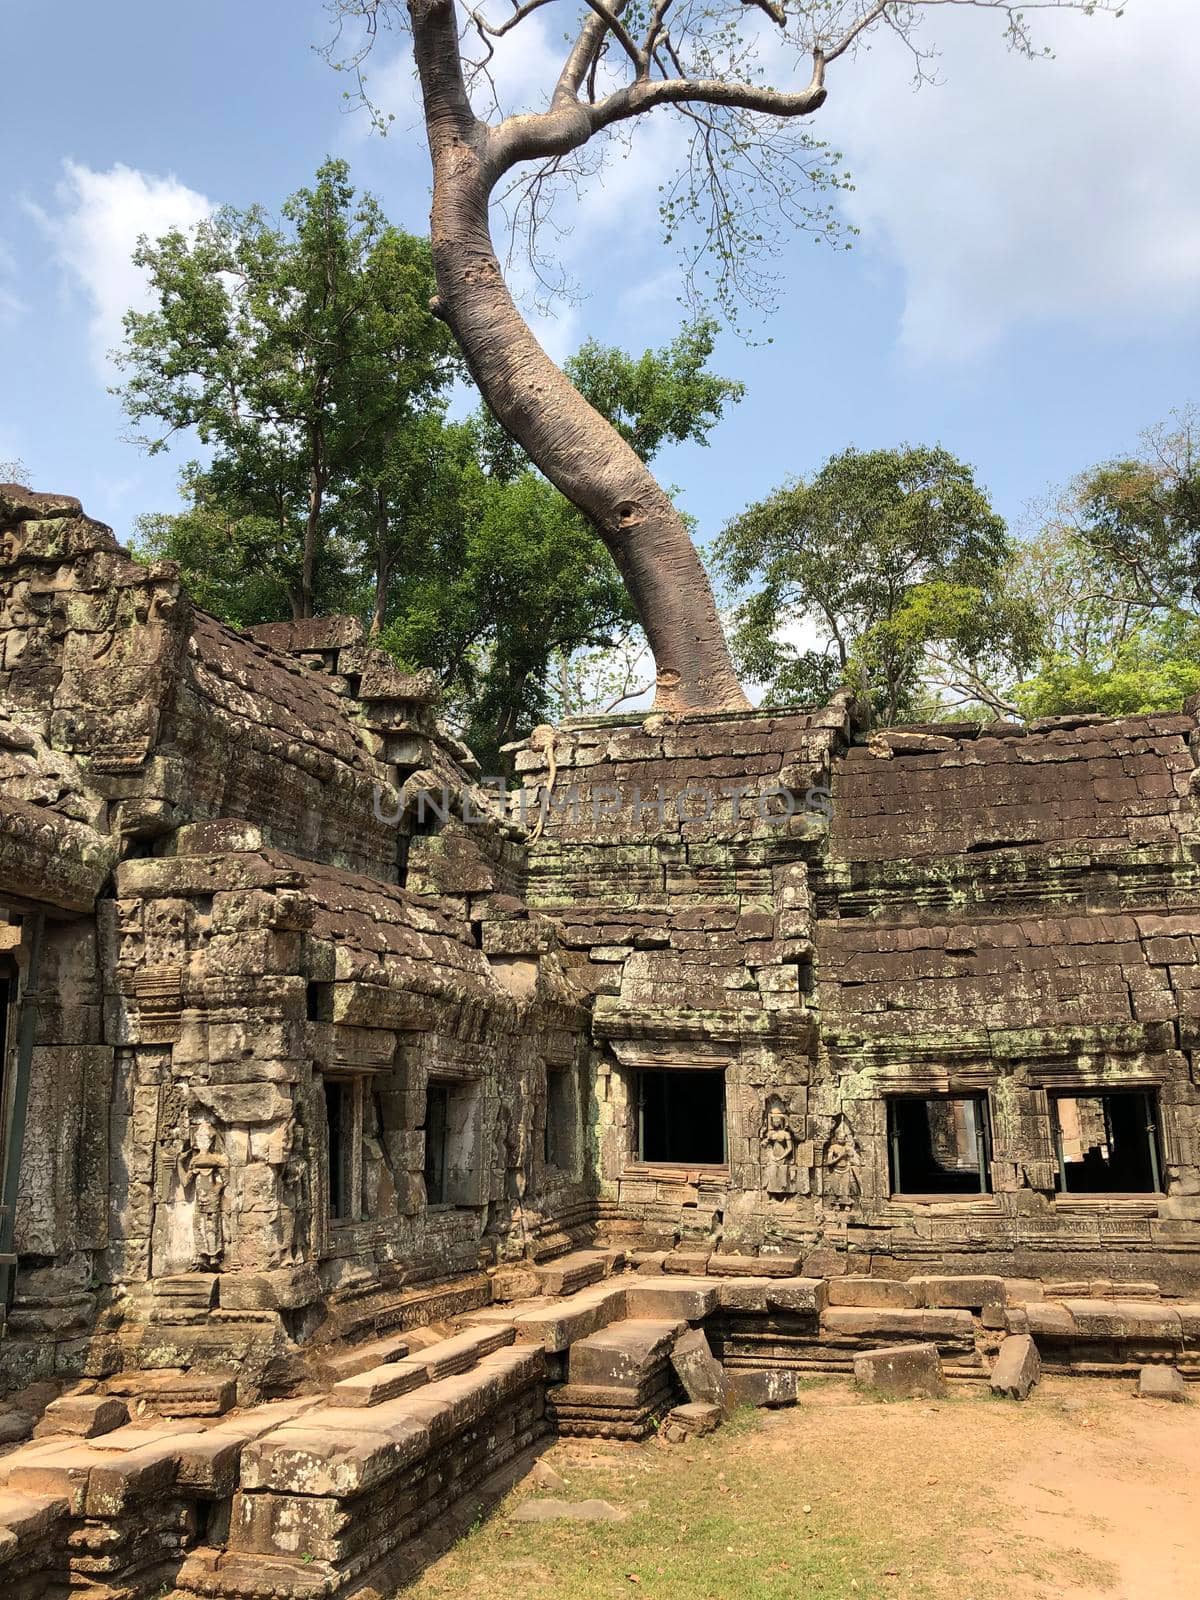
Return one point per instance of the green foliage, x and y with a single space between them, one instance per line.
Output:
296 352
892 562
513 579
1155 668
304 356
1115 575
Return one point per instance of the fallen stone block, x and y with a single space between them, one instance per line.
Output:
545 1477
1161 1383
83 1415
690 1422
901 1371
699 1371
763 1386
1018 1367
623 1355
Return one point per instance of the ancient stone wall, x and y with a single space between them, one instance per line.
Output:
998 923
678 858
253 958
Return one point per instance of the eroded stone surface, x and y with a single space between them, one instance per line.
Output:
327 1053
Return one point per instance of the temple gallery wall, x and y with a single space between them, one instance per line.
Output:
313 1041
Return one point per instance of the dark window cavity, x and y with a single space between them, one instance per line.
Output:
1107 1143
940 1145
681 1117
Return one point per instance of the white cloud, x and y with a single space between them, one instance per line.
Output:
94 226
1018 193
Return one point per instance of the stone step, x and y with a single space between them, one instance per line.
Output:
963 1291
801 1296
1078 1320
733 1266
570 1273
344 1363
377 1384
686 1263
623 1355
558 1323
459 1352
856 1323
341 1451
673 1299
28 1520
97 1477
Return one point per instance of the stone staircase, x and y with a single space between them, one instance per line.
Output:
317 1495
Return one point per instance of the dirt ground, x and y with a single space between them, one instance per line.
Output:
1082 1493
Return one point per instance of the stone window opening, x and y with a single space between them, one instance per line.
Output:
1107 1143
559 1134
681 1118
318 1002
345 1126
454 1166
939 1145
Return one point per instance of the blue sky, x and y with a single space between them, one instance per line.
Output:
1025 288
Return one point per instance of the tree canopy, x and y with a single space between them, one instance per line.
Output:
890 573
296 350
332 455
883 571
1114 571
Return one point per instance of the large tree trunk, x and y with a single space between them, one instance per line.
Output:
577 449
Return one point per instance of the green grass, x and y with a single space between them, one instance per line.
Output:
826 1501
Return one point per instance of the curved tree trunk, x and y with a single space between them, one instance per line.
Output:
577 449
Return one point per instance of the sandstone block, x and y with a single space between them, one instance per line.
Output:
901 1371
763 1386
743 1294
967 1291
1161 1383
699 1371
1018 1367
690 1421
557 1326
677 1299
872 1292
622 1356
807 1295
84 1415
690 1263
765 1266
1125 1319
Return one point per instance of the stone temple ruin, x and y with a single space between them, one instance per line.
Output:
361 1128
